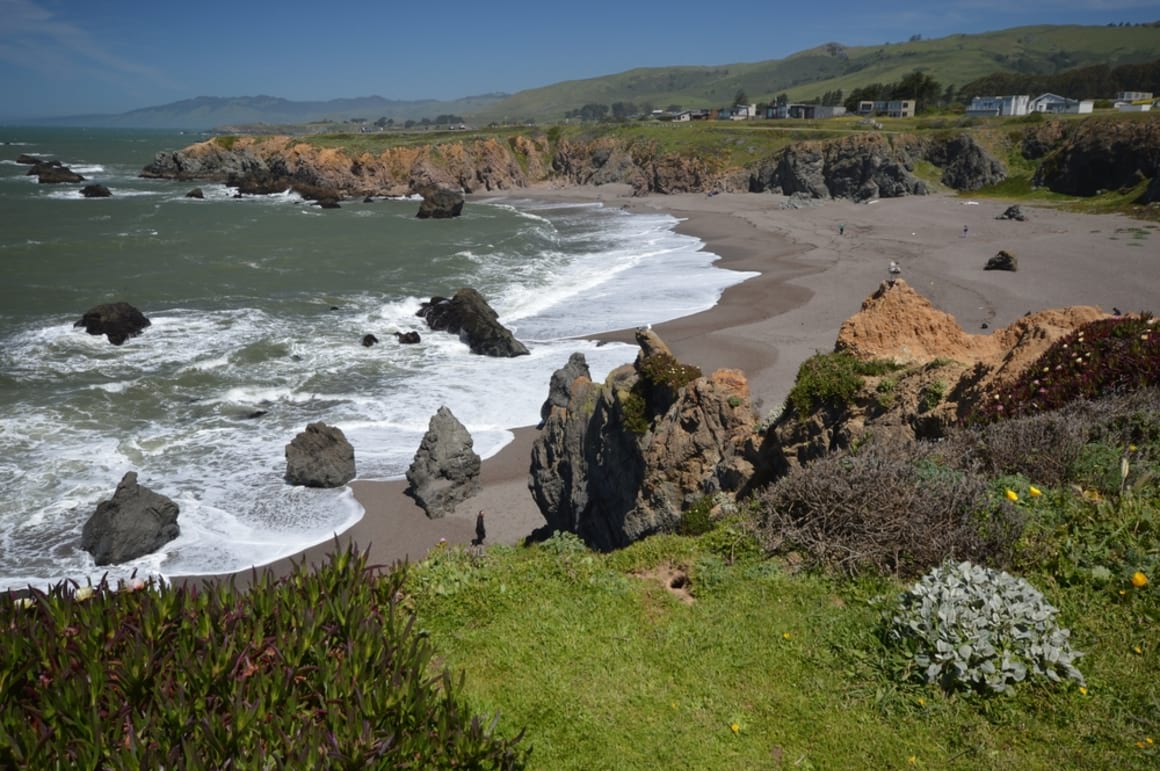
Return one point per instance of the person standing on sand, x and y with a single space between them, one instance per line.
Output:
964 231
480 530
842 229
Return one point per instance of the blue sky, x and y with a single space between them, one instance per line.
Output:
68 57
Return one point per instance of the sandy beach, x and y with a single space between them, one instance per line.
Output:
815 266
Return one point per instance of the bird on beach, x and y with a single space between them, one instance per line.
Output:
480 530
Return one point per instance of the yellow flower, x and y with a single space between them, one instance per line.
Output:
24 603
735 728
83 593
921 702
912 760
1141 745
786 635
1034 491
1012 495
1139 650
1083 690
1147 739
1139 580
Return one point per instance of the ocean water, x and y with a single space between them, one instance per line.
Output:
259 305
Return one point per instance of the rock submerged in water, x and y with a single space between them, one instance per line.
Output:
320 456
117 321
96 191
468 315
407 338
196 193
136 521
445 470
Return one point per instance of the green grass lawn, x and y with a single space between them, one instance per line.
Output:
764 668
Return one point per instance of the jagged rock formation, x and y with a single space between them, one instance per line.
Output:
1086 157
117 321
136 521
621 460
965 164
944 372
860 168
560 385
1013 212
445 470
468 315
320 456
440 203
407 338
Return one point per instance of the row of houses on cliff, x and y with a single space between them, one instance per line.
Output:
1023 104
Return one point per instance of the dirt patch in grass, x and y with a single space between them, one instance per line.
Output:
674 578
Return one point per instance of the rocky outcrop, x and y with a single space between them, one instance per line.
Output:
560 385
440 203
860 168
468 315
196 193
320 456
1100 154
136 521
29 160
965 164
941 373
445 470
1013 212
622 460
96 191
368 340
408 338
117 321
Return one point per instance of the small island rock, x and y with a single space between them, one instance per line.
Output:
445 470
118 321
440 203
96 191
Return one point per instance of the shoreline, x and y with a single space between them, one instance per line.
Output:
815 267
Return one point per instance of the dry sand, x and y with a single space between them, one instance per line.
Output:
812 278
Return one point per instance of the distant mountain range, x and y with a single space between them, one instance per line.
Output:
952 61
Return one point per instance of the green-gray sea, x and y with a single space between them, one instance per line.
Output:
258 307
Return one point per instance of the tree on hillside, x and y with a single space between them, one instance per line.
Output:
623 110
741 97
922 88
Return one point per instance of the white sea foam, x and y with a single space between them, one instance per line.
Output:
210 398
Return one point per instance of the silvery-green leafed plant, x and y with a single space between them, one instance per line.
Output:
968 626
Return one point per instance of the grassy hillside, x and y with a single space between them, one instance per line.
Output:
953 60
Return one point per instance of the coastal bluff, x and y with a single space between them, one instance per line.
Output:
1075 158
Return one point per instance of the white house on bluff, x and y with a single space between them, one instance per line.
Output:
1056 104
994 106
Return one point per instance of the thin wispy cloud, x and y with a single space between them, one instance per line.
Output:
34 38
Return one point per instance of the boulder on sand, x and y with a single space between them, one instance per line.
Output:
445 470
320 456
118 321
1004 260
136 521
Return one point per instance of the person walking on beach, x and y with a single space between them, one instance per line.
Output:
842 229
964 231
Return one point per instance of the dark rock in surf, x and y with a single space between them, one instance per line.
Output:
320 456
369 340
328 203
196 193
136 521
407 338
55 174
445 470
440 203
117 321
468 315
29 160
96 191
